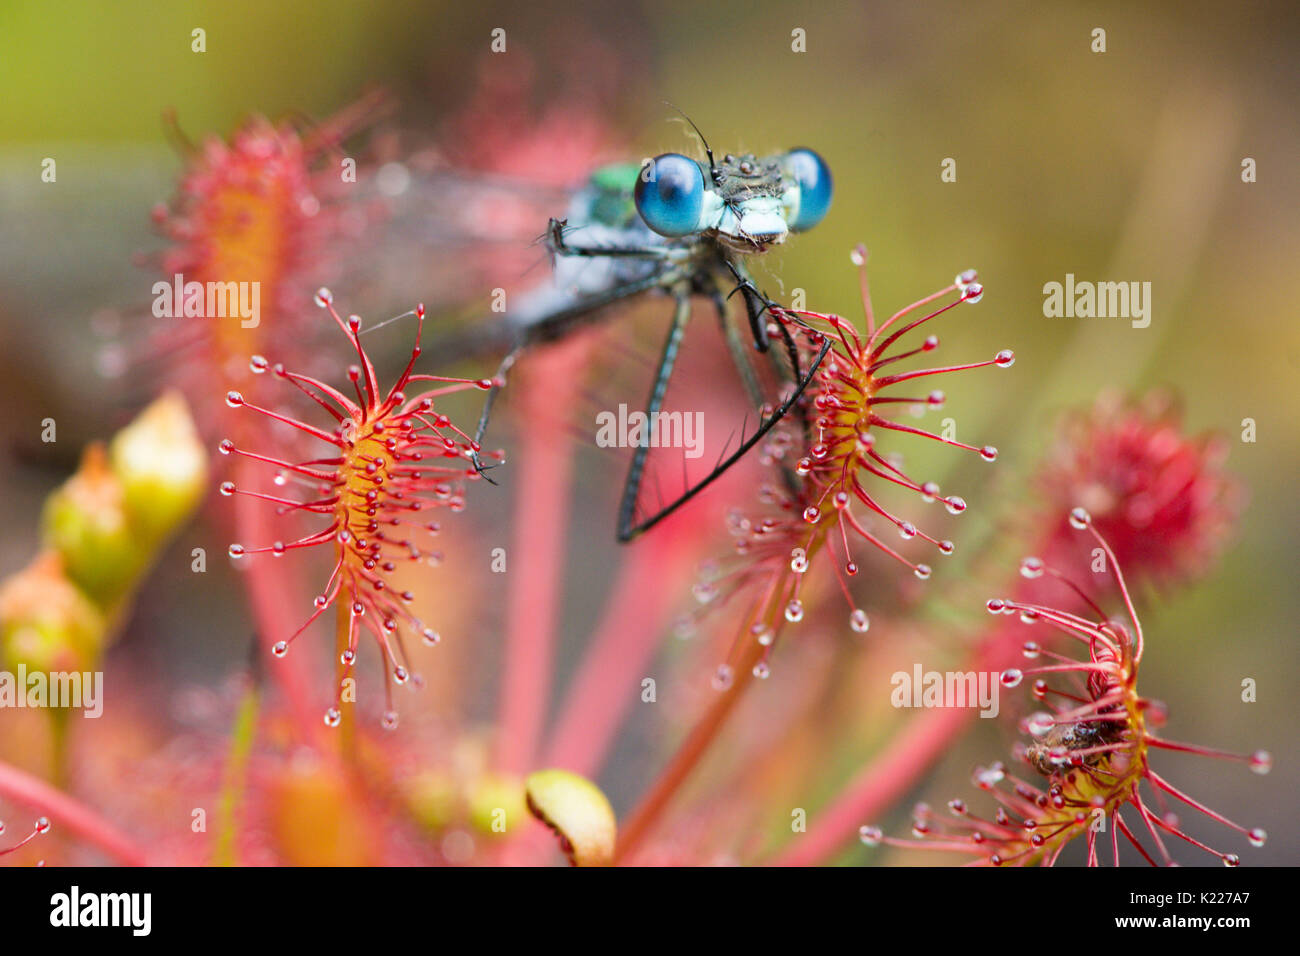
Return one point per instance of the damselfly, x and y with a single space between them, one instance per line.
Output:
682 228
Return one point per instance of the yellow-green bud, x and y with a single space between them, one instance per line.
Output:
162 466
46 623
86 522
497 805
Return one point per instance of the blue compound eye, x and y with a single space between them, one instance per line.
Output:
814 178
670 195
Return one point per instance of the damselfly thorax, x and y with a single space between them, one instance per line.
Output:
681 228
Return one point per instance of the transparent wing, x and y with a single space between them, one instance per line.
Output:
449 237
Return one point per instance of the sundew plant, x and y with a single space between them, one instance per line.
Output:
511 442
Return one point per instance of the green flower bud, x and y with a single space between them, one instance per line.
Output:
496 804
162 466
46 623
86 522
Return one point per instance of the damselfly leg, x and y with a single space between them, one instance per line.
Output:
628 525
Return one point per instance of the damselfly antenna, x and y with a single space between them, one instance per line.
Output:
714 172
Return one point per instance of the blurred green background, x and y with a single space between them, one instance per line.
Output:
1122 166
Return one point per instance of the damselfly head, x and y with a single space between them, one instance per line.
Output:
747 203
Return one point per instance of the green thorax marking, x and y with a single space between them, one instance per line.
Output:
611 194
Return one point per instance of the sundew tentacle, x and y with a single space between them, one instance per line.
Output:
808 515
40 827
255 215
397 460
1092 745
813 519
1160 497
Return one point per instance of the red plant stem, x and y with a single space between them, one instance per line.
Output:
894 770
272 600
907 758
545 395
886 778
631 626
66 811
748 653
655 802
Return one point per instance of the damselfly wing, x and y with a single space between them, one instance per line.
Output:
679 232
